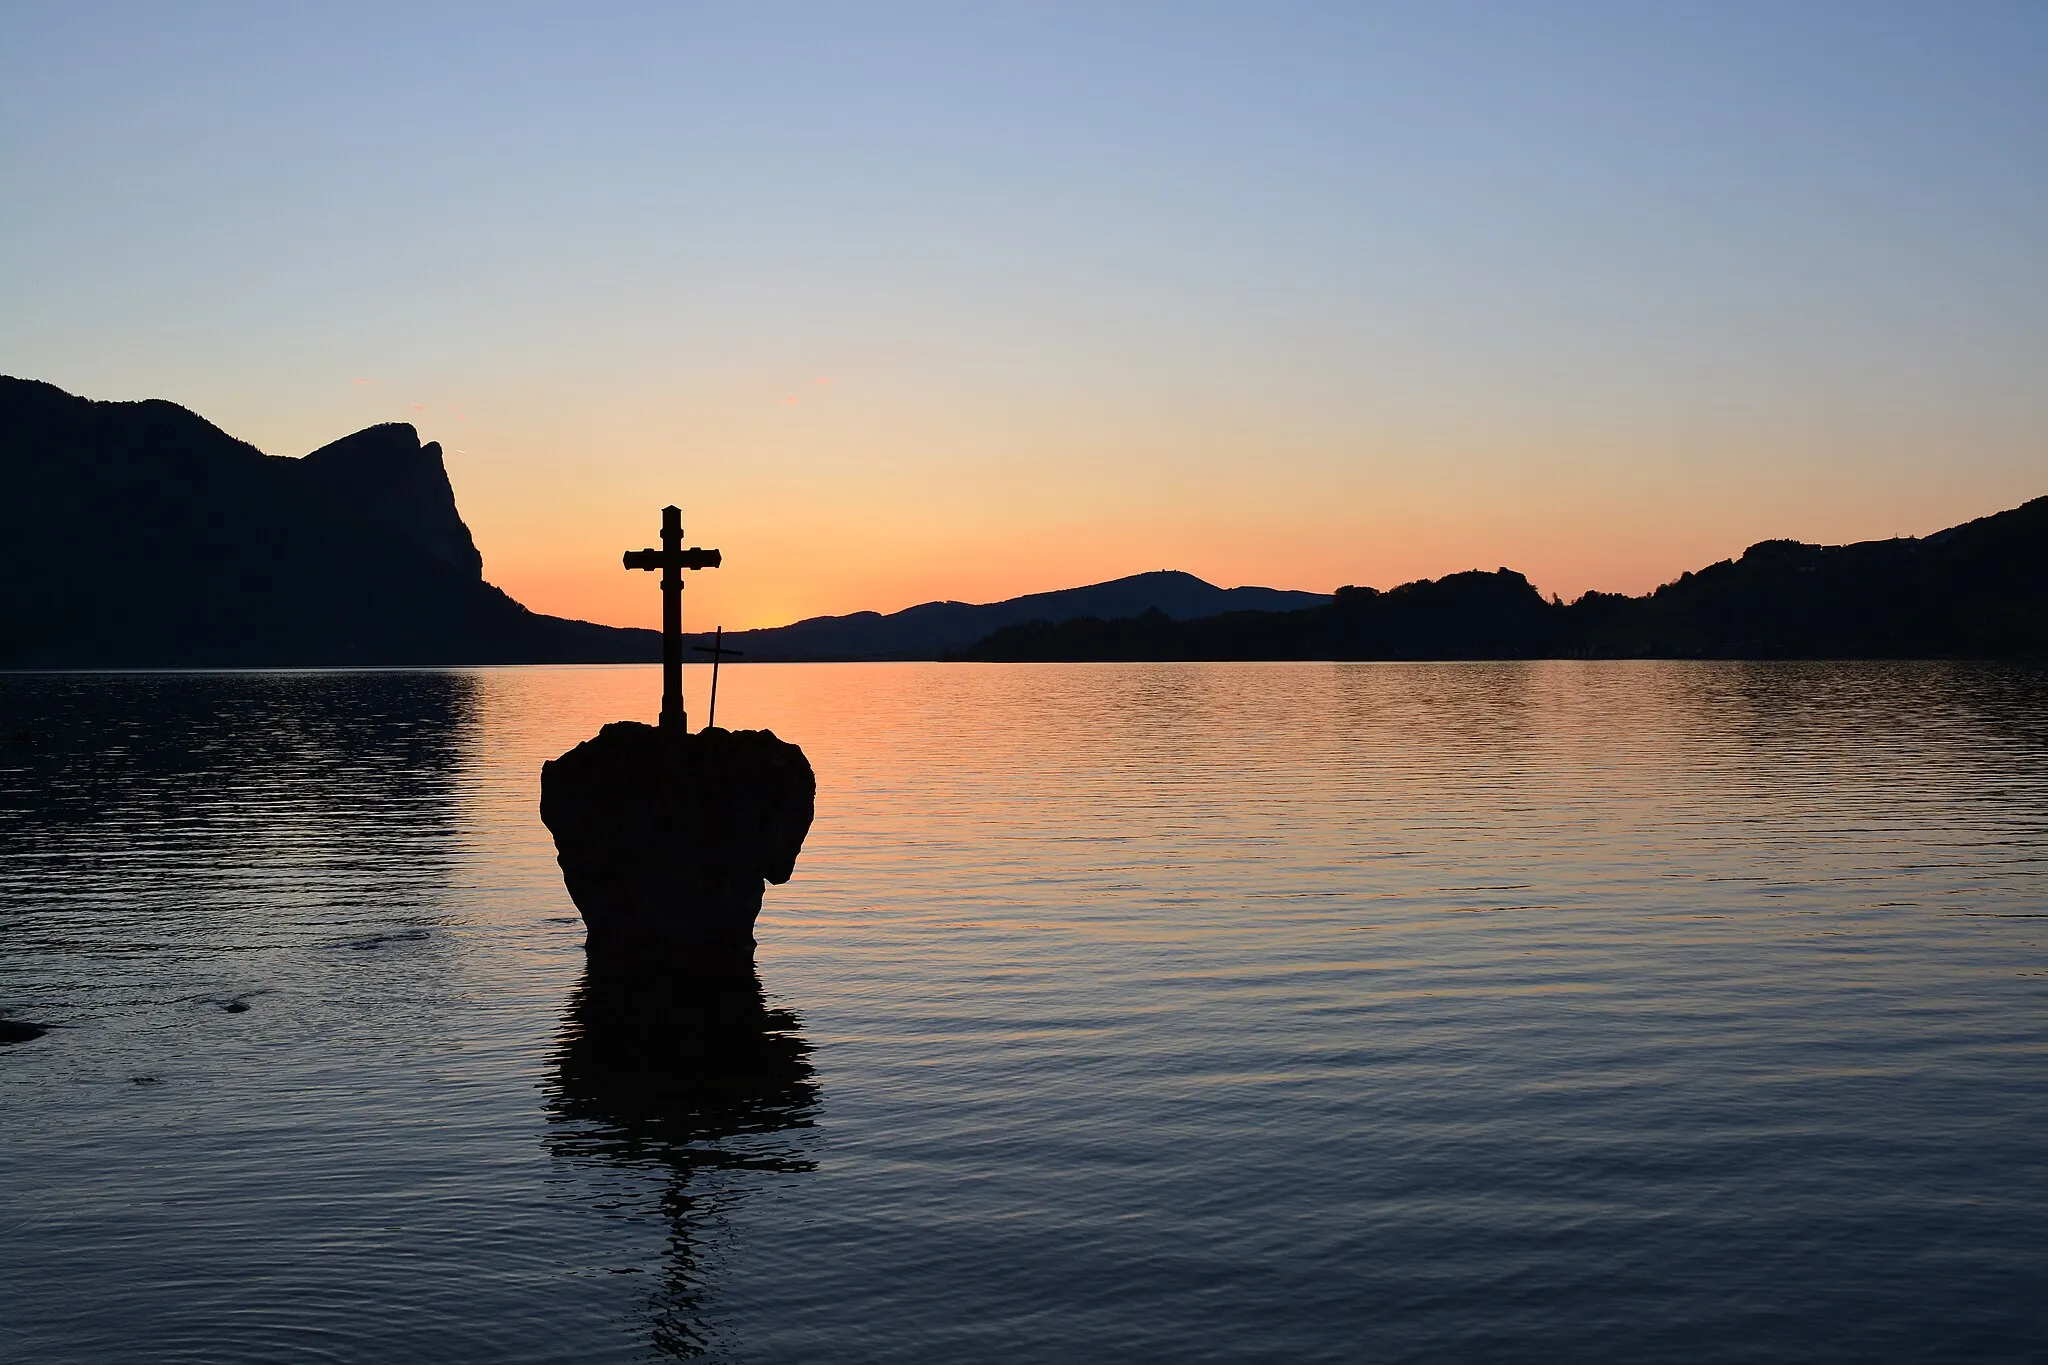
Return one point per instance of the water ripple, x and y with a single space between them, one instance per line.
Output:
1612 1011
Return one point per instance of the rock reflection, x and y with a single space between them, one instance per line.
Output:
694 1082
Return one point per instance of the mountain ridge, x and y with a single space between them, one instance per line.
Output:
933 630
141 535
1975 590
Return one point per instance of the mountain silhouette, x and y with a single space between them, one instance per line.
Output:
141 535
1979 590
385 476
934 630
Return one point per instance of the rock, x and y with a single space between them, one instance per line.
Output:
665 839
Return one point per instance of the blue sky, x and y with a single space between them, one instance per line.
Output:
959 301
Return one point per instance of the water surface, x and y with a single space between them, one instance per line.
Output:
1606 1011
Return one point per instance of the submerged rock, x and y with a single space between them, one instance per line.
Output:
665 839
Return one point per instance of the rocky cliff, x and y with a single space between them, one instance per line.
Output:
141 535
385 476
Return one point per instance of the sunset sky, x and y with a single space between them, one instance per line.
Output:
904 302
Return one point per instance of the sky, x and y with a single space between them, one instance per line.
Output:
903 302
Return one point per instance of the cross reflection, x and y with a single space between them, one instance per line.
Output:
698 1083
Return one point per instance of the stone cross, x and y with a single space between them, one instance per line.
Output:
672 559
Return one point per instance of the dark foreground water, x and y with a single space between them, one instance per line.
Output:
1386 1012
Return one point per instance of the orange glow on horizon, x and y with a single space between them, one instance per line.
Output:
868 495
772 577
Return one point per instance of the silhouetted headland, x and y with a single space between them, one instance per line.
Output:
140 535
1979 590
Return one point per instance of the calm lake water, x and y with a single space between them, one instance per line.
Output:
1606 1011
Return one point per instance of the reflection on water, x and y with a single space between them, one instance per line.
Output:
135 749
180 841
687 1079
1480 1012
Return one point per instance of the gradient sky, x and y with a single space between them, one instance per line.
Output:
915 301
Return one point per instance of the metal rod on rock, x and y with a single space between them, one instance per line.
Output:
711 718
717 650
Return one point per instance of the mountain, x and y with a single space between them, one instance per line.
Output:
936 629
140 535
1979 590
384 476
1462 616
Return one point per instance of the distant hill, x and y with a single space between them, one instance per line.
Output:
140 535
1979 590
936 629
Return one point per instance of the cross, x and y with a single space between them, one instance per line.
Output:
672 559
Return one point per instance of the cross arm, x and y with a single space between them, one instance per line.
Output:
692 558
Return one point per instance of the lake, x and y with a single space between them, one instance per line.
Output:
1364 1012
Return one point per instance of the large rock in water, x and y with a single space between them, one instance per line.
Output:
666 838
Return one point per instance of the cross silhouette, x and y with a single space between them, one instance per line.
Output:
672 559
